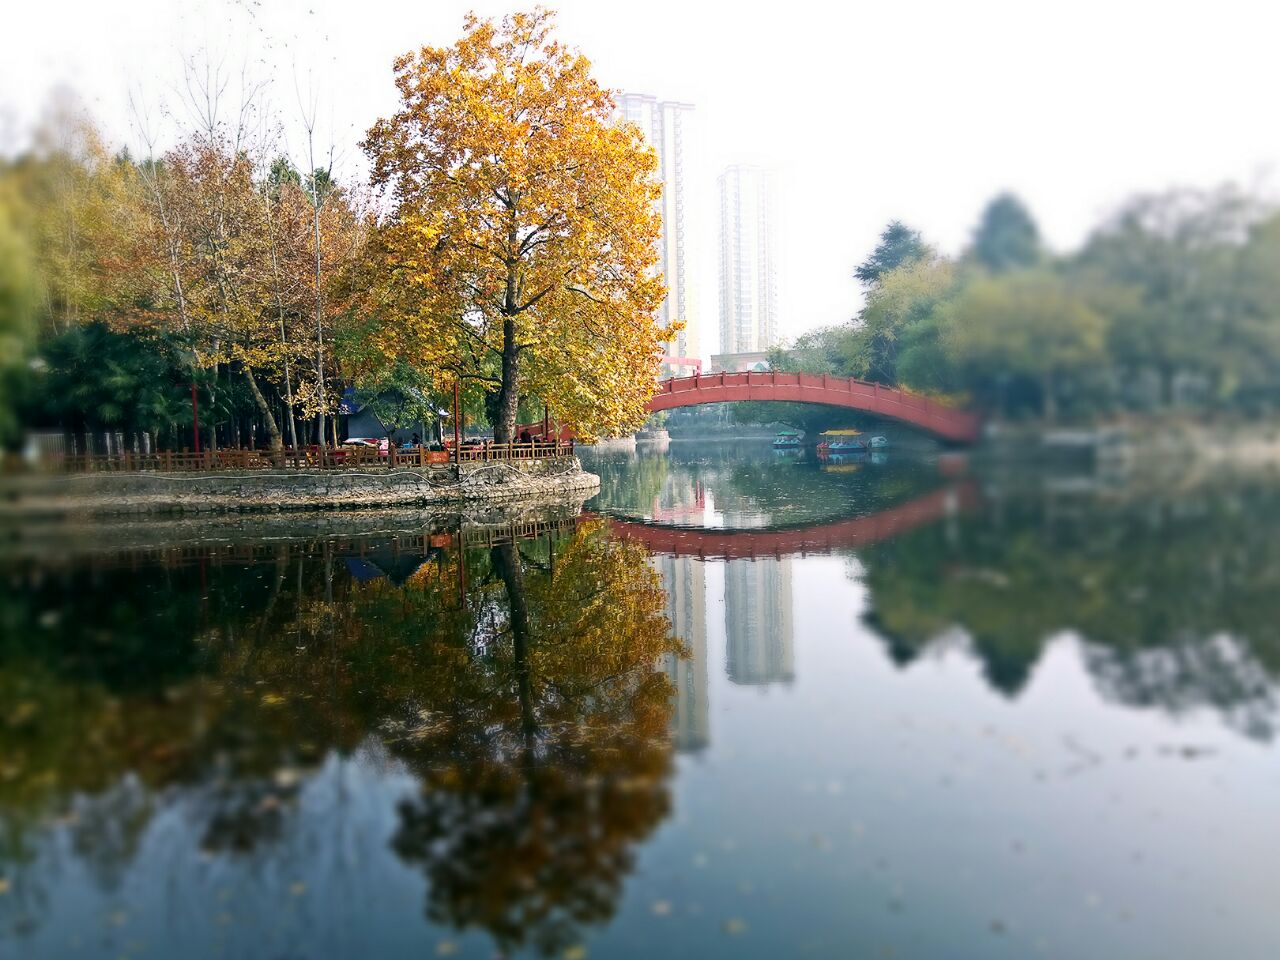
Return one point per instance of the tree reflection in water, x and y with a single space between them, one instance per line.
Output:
546 764
1174 597
529 711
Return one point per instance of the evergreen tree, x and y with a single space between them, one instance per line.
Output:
898 245
1007 237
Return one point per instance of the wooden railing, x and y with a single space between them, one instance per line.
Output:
305 458
530 450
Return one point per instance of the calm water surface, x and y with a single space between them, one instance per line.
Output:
750 706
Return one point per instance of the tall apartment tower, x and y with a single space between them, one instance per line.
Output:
666 125
748 260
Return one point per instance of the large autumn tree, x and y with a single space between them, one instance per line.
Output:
520 243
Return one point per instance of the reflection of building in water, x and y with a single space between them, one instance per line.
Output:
757 621
685 580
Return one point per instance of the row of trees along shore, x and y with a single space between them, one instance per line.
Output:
1171 305
504 241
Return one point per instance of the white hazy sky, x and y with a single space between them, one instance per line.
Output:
869 111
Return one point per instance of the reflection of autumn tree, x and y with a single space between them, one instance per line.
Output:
530 709
1156 587
549 759
229 681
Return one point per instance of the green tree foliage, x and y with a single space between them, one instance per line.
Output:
902 299
898 245
824 350
1007 237
1172 304
91 378
1202 329
1031 325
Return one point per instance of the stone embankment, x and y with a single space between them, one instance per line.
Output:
265 491
113 536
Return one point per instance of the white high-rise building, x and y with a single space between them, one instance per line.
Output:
666 125
748 260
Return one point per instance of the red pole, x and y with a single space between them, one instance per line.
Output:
457 427
195 419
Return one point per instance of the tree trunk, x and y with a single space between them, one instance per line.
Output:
504 431
288 388
511 570
273 431
212 445
319 304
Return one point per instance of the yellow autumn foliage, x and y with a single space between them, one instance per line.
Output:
519 249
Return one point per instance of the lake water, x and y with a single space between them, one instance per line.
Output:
749 705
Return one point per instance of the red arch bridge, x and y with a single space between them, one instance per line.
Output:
959 426
710 542
948 423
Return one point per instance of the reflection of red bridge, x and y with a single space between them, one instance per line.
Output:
959 425
824 538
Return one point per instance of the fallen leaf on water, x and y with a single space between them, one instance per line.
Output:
734 926
297 888
4 886
446 948
576 952
661 908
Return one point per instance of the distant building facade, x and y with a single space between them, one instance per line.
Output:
739 362
666 125
748 260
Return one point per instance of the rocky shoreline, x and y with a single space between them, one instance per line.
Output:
275 491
